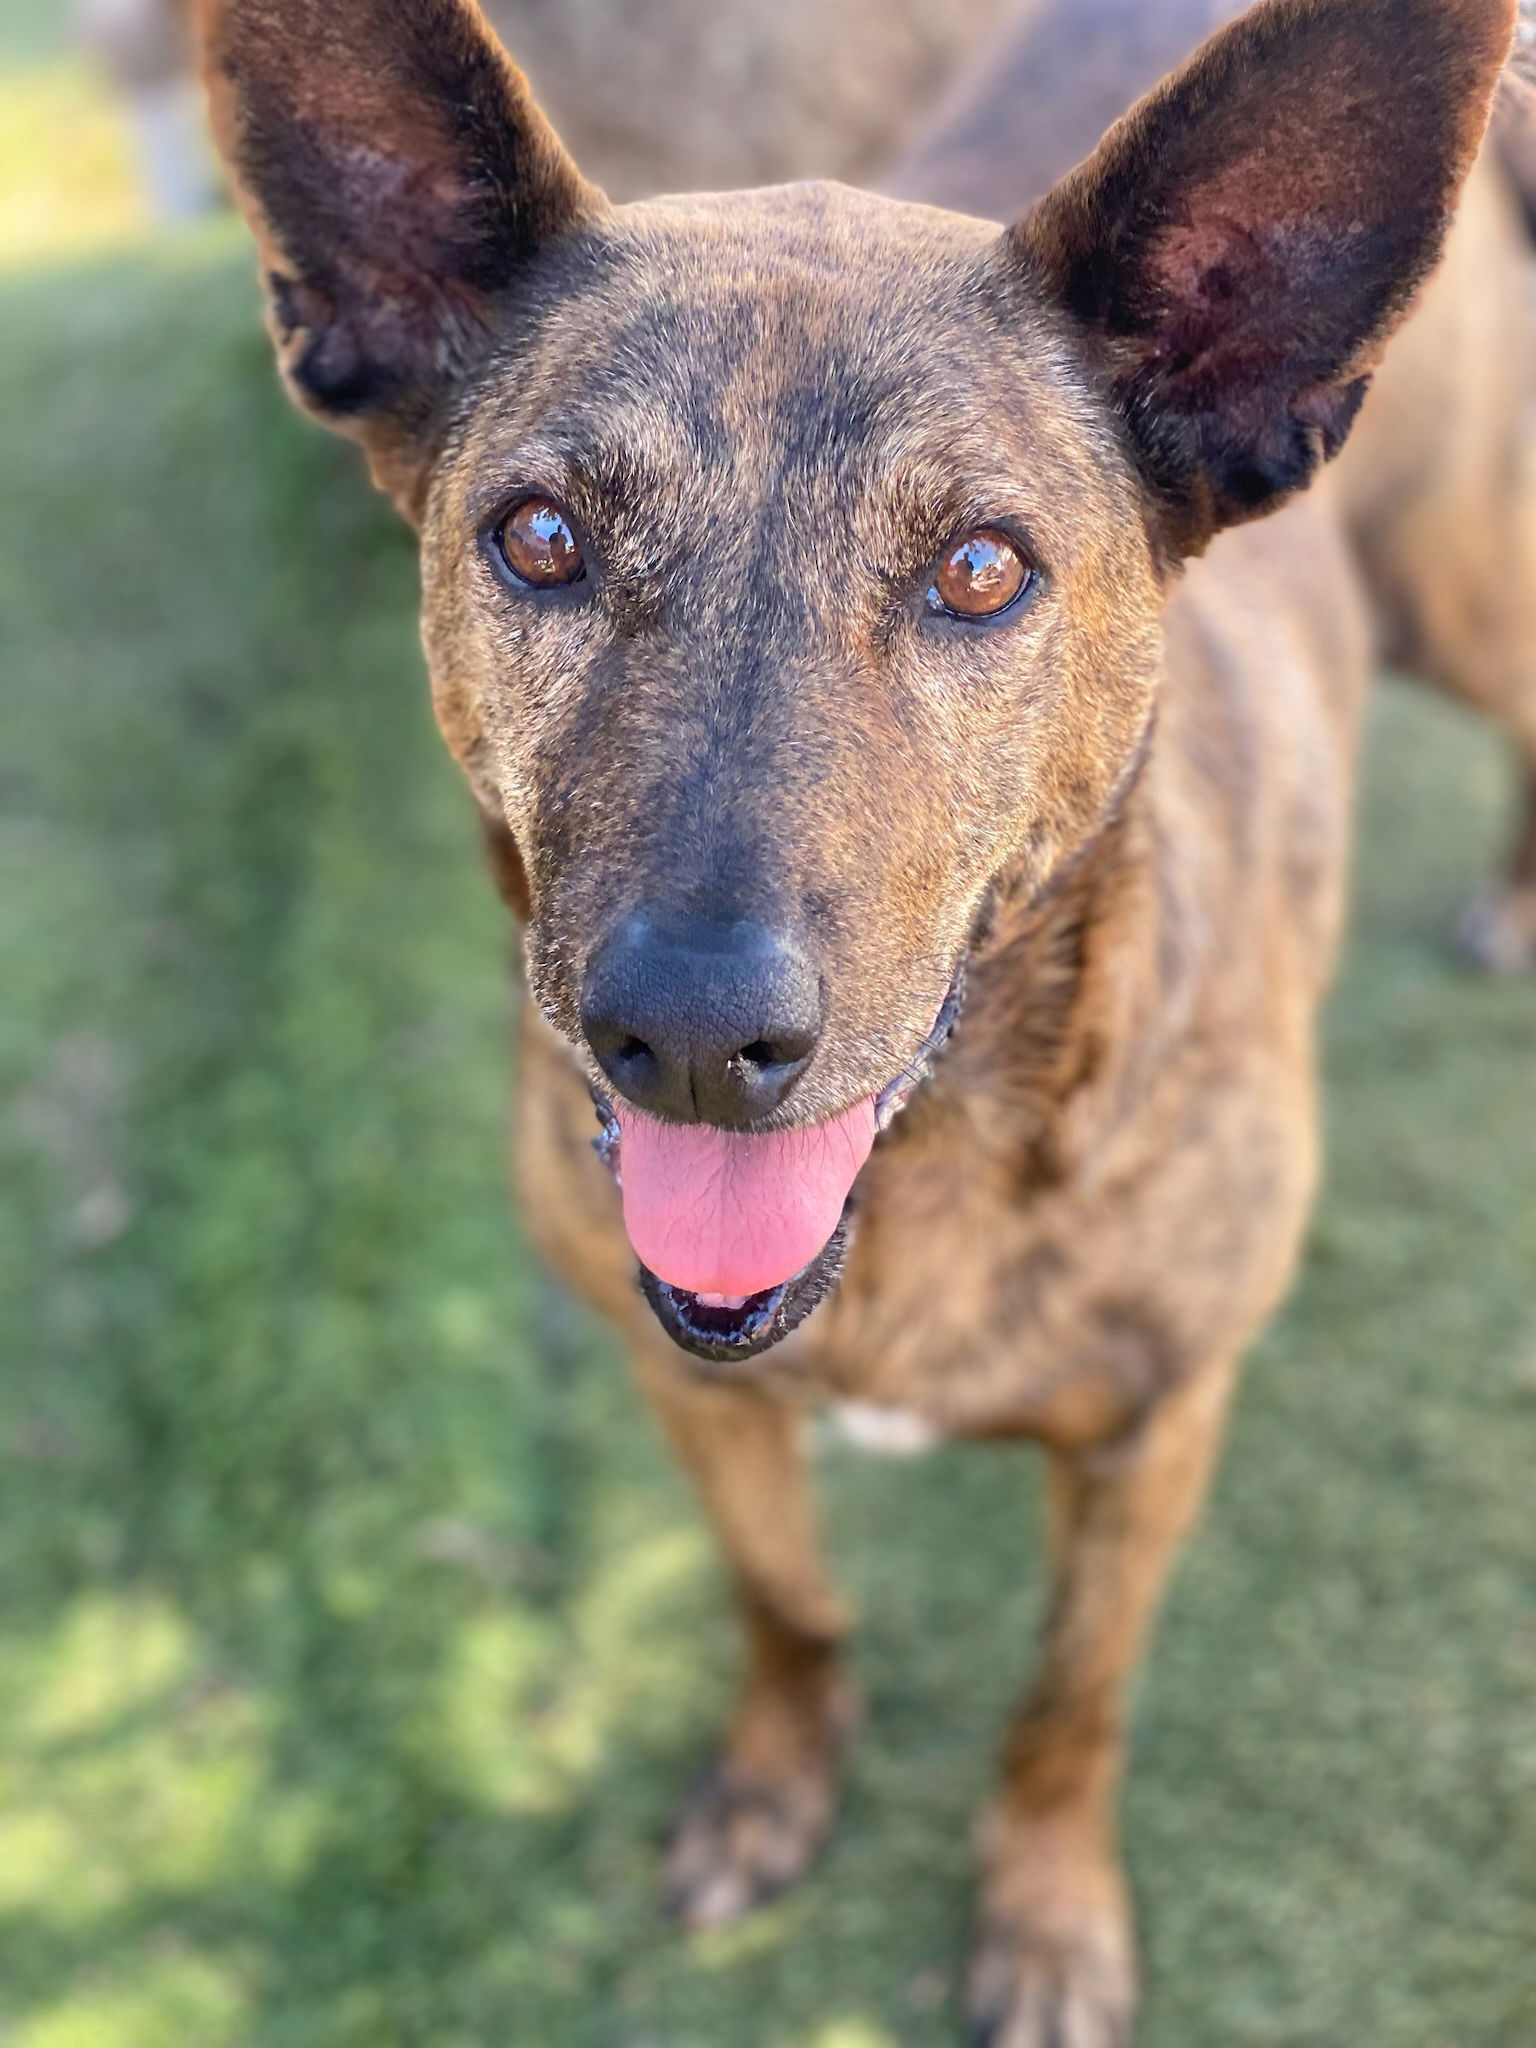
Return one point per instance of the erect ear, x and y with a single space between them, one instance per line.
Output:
1241 246
398 177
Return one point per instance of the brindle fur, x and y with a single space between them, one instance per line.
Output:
769 411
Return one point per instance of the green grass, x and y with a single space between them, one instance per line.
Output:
356 1632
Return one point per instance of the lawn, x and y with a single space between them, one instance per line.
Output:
357 1634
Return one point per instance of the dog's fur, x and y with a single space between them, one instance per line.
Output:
1129 808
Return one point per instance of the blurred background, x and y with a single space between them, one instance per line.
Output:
355 1634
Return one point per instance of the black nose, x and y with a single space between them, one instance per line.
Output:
699 1020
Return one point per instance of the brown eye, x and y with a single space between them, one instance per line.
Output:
979 577
538 546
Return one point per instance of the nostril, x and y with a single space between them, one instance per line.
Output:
634 1066
629 1061
765 1057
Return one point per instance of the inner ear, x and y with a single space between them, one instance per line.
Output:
1242 245
399 178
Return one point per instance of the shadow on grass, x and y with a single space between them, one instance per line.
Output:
356 1636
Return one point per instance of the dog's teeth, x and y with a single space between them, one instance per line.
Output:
733 1302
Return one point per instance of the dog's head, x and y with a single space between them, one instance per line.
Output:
793 560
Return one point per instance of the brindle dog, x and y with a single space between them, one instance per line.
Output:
803 602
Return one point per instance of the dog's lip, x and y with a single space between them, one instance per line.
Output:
724 1334
723 1338
898 1092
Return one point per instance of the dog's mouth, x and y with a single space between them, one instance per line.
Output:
739 1235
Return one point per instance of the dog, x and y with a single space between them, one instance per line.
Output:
910 672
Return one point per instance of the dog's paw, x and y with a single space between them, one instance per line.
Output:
1054 1964
1496 933
1063 1989
739 1839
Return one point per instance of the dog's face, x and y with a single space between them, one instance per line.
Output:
770 424
768 570
793 561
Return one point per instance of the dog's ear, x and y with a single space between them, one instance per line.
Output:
1241 246
398 177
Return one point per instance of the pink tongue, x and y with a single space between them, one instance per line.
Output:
719 1212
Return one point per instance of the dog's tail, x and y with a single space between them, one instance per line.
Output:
1515 117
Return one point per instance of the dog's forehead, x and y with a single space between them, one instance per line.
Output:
823 262
806 318
819 249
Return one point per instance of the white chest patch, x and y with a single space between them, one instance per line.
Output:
885 1432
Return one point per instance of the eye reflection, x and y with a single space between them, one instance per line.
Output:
980 576
536 543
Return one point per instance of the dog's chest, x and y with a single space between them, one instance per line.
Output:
941 1322
974 1308
883 1432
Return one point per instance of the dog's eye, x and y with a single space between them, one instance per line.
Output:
538 546
980 576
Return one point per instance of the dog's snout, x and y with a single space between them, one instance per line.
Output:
701 1020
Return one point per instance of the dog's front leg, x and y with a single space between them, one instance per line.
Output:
1055 1963
756 1818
